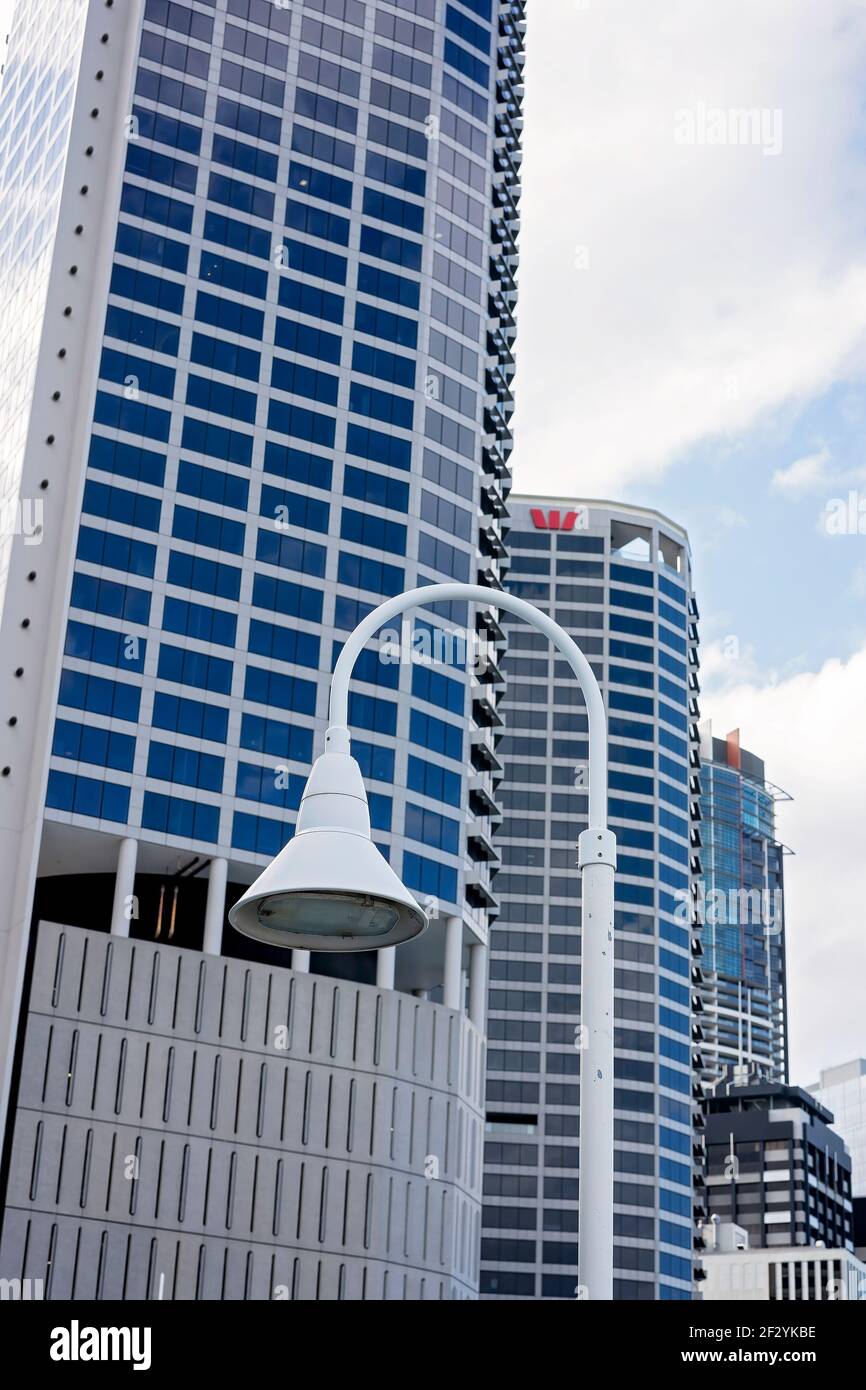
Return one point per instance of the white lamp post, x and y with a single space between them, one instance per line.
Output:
330 889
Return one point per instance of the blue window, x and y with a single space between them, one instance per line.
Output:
638 627
191 717
173 815
308 299
679 1173
387 246
311 342
283 692
125 370
224 356
367 486
381 405
630 651
677 1022
142 330
243 197
383 284
251 83
249 120
312 260
195 620
105 647
133 416
187 667
271 785
296 421
240 236
445 559
169 763
319 184
387 365
673 591
438 689
258 835
317 107
376 763
110 599
467 30
669 989
304 381
673 1140
677 1051
385 169
119 504
318 222
428 876
378 447
86 743
288 741
283 596
371 668
231 446
367 529
622 675
98 695
463 62
152 206
382 323
369 712
327 148
626 575
291 553
207 528
165 295
87 797
435 781
150 246
160 168
207 576
213 485
396 210
359 572
218 399
116 552
283 643
230 274
294 509
229 316
247 159
297 465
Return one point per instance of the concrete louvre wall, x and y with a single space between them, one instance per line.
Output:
193 1127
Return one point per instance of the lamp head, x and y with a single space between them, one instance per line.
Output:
329 888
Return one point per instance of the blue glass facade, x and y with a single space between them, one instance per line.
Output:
294 419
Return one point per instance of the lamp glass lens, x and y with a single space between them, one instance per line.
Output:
328 914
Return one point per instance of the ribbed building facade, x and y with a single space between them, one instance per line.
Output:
742 903
268 256
618 579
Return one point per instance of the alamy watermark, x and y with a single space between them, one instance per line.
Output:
733 907
435 646
758 126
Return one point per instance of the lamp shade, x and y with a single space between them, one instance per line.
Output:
329 888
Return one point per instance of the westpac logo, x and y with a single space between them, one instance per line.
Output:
558 521
77 1343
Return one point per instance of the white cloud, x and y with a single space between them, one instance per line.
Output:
719 283
803 475
808 730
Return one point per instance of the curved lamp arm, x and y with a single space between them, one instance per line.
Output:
597 860
491 598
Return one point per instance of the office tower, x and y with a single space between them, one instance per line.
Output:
843 1090
774 1165
618 579
258 262
736 1273
742 900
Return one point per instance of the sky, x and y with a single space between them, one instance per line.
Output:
692 337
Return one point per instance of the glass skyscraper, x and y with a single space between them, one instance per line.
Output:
618 579
743 908
258 260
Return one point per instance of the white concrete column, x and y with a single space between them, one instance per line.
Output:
478 985
301 961
452 997
124 887
215 910
386 961
421 993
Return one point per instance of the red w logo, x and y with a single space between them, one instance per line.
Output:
554 521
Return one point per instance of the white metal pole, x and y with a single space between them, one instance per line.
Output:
123 908
451 997
215 907
597 860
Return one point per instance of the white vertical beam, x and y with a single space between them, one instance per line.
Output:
478 985
124 887
452 997
385 967
215 909
301 961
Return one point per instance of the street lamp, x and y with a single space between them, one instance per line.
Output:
330 889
